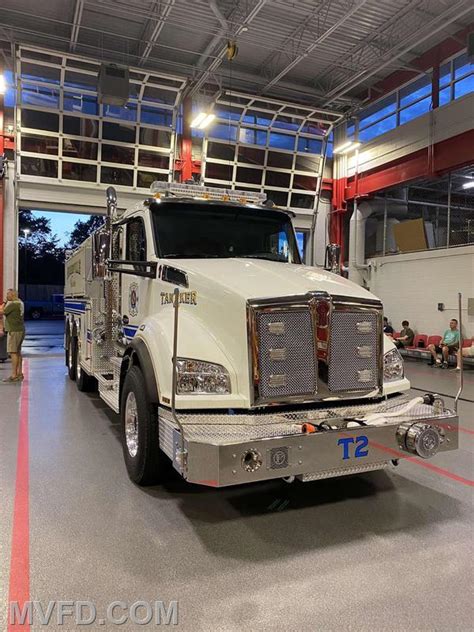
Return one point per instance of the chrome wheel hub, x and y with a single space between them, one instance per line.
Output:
131 424
69 356
78 365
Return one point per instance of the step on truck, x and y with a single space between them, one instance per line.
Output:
227 357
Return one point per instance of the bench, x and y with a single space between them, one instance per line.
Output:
417 352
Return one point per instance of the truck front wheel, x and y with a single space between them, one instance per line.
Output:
146 464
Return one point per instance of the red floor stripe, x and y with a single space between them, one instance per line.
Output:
423 463
20 553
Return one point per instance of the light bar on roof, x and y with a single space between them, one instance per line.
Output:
196 191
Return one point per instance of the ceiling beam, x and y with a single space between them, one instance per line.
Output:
317 42
76 24
203 77
434 26
157 28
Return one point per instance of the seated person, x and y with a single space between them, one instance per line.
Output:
387 329
449 345
406 336
465 352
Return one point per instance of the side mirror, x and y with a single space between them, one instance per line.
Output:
332 259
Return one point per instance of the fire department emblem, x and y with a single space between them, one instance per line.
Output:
133 299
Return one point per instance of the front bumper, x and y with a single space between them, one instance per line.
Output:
229 449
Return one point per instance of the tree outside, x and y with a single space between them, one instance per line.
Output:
41 255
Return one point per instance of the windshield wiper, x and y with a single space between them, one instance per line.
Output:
265 257
194 255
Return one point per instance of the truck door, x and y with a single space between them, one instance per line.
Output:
135 290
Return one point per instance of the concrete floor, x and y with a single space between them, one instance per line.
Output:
382 551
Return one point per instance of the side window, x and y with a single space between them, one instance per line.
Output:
136 240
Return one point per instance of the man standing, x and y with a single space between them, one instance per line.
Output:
406 336
449 345
13 311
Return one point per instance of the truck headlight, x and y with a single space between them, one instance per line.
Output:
195 377
392 366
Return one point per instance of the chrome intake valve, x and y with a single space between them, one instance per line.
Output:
420 438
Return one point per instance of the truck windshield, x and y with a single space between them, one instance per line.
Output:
202 231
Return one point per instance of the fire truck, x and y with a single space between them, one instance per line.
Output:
227 357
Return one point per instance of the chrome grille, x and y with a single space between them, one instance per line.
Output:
353 351
286 356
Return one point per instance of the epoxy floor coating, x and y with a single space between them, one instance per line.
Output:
380 551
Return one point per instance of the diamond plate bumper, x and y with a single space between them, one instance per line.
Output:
223 450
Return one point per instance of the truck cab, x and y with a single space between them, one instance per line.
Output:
226 355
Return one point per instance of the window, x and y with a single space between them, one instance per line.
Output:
444 96
156 116
277 179
39 167
84 103
415 91
222 151
465 86
125 113
456 79
76 171
223 131
40 120
255 117
39 96
76 126
200 231
282 141
118 132
251 155
252 136
218 171
415 110
136 240
302 240
117 153
310 145
379 128
377 111
462 66
79 149
280 160
39 144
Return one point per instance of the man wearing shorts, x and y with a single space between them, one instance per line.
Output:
449 345
13 311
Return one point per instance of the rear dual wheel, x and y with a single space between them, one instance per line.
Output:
84 381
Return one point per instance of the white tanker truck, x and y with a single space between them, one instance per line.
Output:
228 357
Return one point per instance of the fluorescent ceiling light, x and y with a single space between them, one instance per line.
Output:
198 119
208 119
468 185
3 84
345 148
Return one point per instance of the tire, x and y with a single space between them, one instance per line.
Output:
146 463
36 314
67 338
84 382
72 357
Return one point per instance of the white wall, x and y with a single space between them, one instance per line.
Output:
411 286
